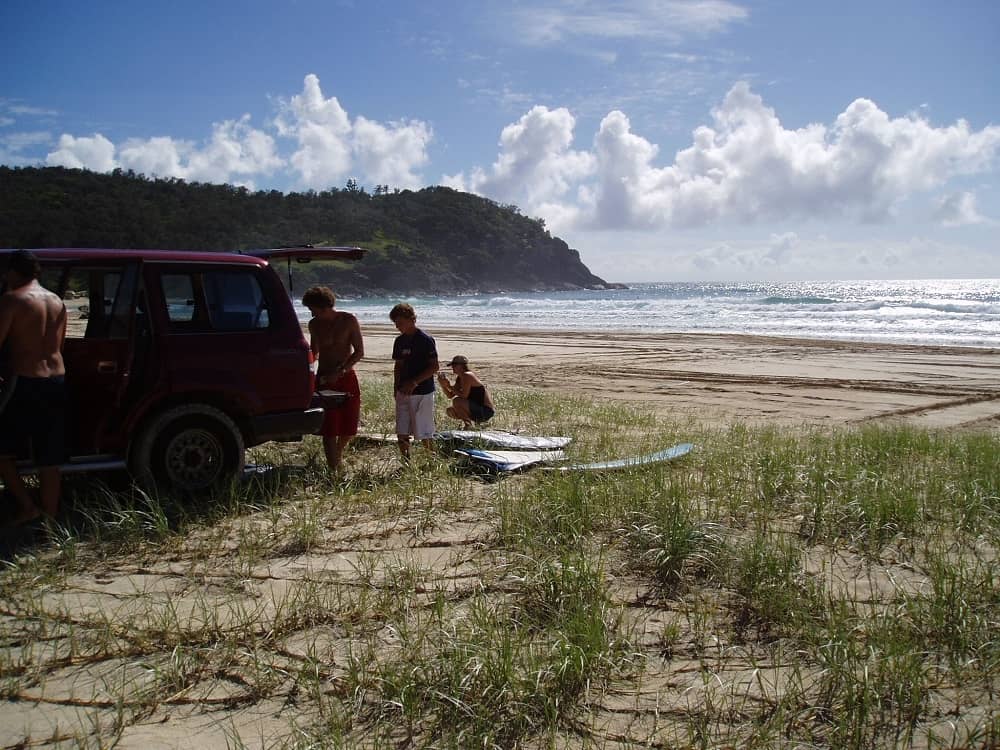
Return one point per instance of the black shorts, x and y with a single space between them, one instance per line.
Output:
480 412
33 419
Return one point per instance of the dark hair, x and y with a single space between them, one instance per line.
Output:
319 296
24 263
402 310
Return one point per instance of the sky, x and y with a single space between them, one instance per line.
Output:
665 140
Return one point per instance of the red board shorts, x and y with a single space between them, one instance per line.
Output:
342 421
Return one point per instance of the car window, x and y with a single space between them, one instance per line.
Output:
215 300
178 292
99 301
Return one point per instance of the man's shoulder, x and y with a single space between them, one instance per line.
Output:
14 298
345 318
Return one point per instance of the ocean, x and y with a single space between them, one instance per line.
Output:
942 312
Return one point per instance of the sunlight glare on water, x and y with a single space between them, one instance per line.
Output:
948 312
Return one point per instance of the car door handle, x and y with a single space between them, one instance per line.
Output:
107 366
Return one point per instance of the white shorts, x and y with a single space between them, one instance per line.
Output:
415 415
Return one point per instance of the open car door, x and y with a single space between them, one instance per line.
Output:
99 348
304 254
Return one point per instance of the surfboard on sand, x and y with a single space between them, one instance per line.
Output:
500 461
487 439
504 461
668 454
495 440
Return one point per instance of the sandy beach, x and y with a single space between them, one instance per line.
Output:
245 629
728 377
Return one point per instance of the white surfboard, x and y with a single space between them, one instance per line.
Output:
494 439
667 454
502 461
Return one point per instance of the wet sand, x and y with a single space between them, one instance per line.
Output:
726 378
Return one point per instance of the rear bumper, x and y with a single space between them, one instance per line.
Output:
290 425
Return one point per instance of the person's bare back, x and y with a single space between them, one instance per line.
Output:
32 327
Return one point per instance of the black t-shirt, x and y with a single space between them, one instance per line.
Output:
415 351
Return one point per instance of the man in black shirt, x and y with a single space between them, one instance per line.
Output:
415 362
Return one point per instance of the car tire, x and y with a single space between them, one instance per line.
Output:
192 449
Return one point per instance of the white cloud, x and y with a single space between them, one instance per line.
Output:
236 149
331 147
958 209
159 156
535 166
635 256
328 148
390 154
322 129
26 110
24 140
235 152
770 257
96 153
745 167
14 145
780 247
665 20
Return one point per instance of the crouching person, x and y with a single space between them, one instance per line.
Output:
470 400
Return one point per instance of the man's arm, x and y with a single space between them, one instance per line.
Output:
61 326
357 345
409 385
428 372
312 341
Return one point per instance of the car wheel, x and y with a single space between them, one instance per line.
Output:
191 448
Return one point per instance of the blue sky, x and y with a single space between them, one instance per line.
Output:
663 139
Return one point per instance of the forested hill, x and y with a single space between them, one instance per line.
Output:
432 241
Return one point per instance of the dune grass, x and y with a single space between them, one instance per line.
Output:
808 588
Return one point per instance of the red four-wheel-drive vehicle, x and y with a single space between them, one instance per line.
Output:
177 361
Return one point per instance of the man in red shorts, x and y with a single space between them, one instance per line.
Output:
335 338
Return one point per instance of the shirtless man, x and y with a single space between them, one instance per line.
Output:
33 398
335 338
